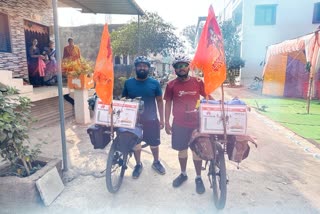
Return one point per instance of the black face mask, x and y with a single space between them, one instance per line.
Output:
142 74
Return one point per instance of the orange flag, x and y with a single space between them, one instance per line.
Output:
210 57
103 71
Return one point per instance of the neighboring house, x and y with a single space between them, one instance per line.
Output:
262 23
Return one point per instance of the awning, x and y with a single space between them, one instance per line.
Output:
127 7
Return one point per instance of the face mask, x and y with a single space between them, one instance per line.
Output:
142 74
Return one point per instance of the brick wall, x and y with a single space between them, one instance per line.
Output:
38 11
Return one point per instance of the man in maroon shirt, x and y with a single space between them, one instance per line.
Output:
181 95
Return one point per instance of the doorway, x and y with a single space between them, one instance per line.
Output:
37 31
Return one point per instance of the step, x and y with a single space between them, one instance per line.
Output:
45 92
46 112
26 89
18 84
5 76
6 79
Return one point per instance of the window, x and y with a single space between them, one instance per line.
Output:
5 44
316 13
117 60
265 14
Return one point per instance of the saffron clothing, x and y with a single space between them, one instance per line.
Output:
71 52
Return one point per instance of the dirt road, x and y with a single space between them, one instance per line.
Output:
280 176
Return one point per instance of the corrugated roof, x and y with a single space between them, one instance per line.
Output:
129 7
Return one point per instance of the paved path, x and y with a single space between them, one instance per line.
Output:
280 176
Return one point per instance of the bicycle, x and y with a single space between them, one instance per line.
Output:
121 150
118 159
211 149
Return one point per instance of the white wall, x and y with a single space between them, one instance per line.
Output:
293 19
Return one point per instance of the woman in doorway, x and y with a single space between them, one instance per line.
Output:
36 65
50 77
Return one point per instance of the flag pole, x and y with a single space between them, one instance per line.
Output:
111 121
223 118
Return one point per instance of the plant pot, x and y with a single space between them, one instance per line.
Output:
19 192
82 82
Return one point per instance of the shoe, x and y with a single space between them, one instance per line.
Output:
179 180
137 171
199 186
159 168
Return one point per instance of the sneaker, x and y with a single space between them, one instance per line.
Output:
199 186
159 168
137 171
179 180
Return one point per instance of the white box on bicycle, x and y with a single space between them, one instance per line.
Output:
211 119
124 113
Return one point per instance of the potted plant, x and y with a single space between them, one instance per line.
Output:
23 166
79 73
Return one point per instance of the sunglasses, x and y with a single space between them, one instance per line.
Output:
182 65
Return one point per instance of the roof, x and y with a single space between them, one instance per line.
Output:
128 7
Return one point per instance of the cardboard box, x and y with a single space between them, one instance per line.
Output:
124 113
211 119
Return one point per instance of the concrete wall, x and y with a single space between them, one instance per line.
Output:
293 19
38 11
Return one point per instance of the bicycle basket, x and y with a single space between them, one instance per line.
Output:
126 141
238 148
201 145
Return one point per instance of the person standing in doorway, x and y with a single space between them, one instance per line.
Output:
36 65
150 92
51 64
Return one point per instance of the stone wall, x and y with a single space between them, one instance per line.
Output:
38 11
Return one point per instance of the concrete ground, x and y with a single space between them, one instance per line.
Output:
280 176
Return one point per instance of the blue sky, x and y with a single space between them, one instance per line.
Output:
179 13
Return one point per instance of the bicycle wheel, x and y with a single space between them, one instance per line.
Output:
217 171
116 166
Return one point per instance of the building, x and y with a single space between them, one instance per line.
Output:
261 23
23 20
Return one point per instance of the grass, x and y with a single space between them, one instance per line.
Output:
292 113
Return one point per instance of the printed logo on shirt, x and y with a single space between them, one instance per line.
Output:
181 93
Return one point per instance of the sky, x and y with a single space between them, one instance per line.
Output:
180 13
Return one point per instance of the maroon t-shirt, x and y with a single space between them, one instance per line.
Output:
184 95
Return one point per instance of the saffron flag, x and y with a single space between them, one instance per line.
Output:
209 57
103 71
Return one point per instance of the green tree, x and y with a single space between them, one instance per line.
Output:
232 50
156 37
190 33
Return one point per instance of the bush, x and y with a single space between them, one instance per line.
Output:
15 120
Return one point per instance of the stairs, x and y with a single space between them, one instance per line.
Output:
7 80
46 112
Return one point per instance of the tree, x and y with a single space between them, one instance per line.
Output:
232 50
156 37
190 33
